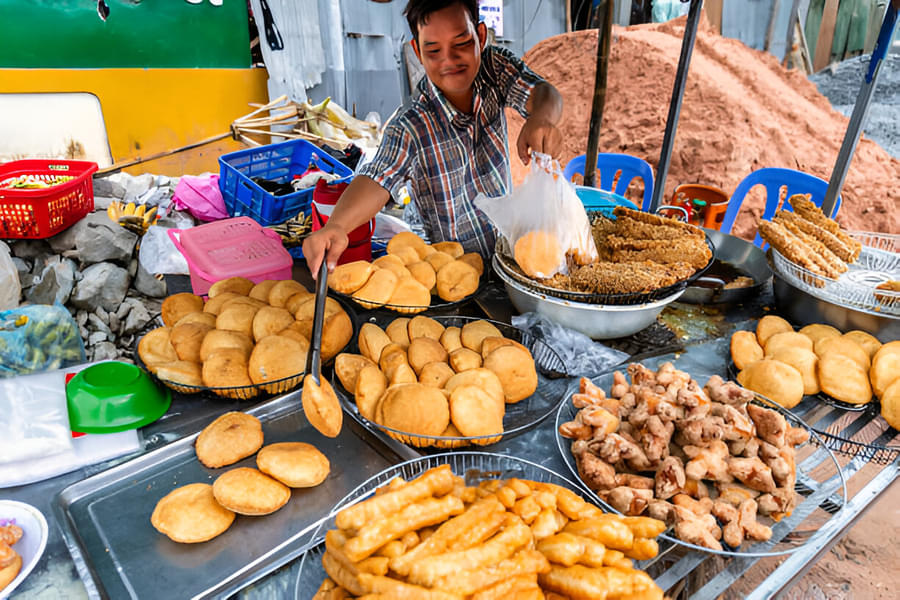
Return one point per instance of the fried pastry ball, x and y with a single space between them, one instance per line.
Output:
229 438
349 277
372 340
885 367
295 464
275 358
227 368
867 341
745 350
787 339
768 326
190 514
456 280
377 290
235 285
805 361
416 408
398 332
347 367
515 369
247 491
842 378
777 381
539 254
817 331
177 305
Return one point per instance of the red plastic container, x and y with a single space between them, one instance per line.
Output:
236 247
44 212
360 246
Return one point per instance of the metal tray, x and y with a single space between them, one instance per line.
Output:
105 519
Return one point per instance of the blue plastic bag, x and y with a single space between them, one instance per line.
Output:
38 338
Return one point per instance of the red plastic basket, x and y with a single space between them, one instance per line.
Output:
44 212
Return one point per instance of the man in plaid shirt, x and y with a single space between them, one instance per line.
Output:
451 143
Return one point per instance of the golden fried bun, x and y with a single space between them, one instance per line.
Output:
425 251
182 376
489 344
745 349
372 340
187 339
423 350
841 377
238 317
377 290
845 346
885 367
347 367
438 259
177 305
436 374
406 254
337 328
269 320
539 254
482 378
817 331
787 339
293 304
805 361
306 310
777 381
155 348
349 277
451 339
229 438
190 514
422 326
227 368
392 356
768 326
474 260
321 406
515 369
283 290
276 357
370 385
451 431
235 285
405 238
221 339
295 464
423 273
456 280
463 359
398 333
416 408
392 263
246 491
890 404
474 332
214 306
261 290
401 373
454 249
411 295
474 412
299 332
204 318
867 341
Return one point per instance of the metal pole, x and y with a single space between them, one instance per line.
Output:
789 42
604 34
770 30
687 47
842 164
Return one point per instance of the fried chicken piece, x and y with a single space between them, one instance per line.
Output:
655 437
737 425
701 531
779 503
791 247
796 436
735 493
747 447
628 501
595 472
699 507
753 529
708 463
661 511
603 421
753 473
727 392
576 429
668 375
620 385
615 448
809 211
641 375
669 478
638 482
770 425
702 432
821 242
728 515
690 250
694 400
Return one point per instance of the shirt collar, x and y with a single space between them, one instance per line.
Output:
455 116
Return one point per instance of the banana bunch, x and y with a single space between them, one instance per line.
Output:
134 217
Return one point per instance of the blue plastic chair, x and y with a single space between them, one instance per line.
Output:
609 164
774 179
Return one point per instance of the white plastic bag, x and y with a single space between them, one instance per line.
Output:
543 220
35 419
10 287
159 255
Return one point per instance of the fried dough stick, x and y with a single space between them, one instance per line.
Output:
793 223
840 250
685 249
628 227
637 215
813 213
791 247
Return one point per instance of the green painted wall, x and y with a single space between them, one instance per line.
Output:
137 33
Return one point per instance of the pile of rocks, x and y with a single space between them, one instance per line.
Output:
92 269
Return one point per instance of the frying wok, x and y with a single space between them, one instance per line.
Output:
734 257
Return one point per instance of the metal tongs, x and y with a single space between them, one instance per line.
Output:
320 404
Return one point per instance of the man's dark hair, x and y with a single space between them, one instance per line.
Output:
418 11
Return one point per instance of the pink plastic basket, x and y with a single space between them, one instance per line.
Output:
236 247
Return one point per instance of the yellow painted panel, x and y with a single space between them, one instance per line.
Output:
148 111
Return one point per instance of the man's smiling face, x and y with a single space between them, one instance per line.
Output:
449 45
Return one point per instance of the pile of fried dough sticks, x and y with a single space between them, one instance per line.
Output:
435 538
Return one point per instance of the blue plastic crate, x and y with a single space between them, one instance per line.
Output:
276 162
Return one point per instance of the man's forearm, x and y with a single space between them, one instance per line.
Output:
361 201
545 103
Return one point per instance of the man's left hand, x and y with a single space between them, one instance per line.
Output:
538 135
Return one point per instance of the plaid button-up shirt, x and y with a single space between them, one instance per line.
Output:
447 157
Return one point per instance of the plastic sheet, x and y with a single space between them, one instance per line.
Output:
10 288
543 220
581 355
35 419
159 255
38 338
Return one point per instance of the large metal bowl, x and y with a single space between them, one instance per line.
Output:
598 321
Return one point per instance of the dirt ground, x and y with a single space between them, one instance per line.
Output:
742 111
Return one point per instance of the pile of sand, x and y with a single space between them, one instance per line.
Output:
742 111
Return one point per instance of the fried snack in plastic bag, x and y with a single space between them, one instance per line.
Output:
543 220
37 338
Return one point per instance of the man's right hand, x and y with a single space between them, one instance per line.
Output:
328 243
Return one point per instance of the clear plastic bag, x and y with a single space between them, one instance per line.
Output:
37 338
10 288
543 220
159 255
35 419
